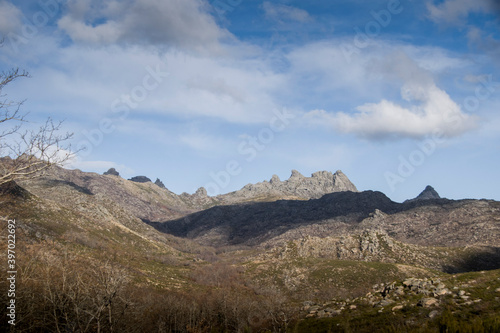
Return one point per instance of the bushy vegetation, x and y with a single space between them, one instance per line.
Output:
70 293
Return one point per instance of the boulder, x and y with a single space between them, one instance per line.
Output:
428 302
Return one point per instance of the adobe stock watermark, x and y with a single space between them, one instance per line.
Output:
248 149
221 7
408 164
364 36
31 26
121 108
11 272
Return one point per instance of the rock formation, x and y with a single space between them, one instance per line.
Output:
428 193
112 172
140 179
159 183
296 187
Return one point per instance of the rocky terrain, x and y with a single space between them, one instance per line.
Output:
295 187
312 252
154 202
430 222
429 296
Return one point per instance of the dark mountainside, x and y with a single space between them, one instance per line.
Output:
436 222
253 223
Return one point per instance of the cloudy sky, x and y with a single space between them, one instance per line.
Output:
396 94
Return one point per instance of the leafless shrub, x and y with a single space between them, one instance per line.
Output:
27 153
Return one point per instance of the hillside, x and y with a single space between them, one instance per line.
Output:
437 222
302 253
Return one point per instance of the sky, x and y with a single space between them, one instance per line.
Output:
396 94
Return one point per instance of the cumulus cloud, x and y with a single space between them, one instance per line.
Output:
454 11
281 13
181 23
10 18
425 108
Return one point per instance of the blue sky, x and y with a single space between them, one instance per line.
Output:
396 94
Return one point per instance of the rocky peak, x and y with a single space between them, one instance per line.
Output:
342 183
140 179
112 172
296 175
201 192
159 183
275 180
321 174
297 186
428 193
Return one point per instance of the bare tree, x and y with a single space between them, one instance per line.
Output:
27 153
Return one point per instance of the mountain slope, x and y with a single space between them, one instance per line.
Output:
151 202
430 222
254 223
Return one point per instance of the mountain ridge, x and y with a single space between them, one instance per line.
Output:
296 186
154 202
436 222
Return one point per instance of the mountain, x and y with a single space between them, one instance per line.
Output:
154 202
253 223
273 256
432 222
295 187
428 193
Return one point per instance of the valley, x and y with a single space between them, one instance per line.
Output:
308 254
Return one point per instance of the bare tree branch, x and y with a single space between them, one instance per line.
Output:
27 154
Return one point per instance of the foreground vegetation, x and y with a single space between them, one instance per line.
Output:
82 291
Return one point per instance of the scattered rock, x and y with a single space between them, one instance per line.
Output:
397 307
441 292
433 313
427 302
385 302
321 314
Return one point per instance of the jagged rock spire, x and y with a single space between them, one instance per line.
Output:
428 193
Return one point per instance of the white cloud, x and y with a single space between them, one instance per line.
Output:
184 24
95 166
10 18
86 81
454 11
81 83
426 108
205 143
281 13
